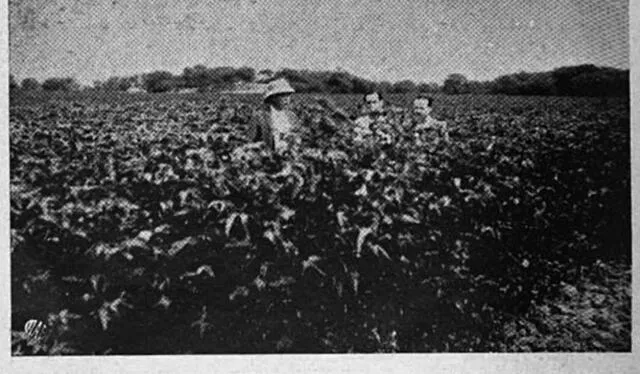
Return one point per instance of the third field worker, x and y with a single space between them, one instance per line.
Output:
422 125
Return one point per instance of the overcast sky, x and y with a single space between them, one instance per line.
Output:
422 40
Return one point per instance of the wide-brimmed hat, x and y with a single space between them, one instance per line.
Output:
278 87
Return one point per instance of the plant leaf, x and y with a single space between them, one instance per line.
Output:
378 250
362 236
179 245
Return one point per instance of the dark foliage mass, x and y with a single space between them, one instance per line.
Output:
29 84
60 84
147 224
582 80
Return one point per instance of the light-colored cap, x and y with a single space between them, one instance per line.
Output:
277 87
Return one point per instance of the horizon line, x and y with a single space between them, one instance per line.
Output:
335 70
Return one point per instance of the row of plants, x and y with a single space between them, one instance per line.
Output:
154 227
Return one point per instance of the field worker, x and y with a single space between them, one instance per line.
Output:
374 119
275 125
422 125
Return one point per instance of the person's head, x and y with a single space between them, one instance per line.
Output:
422 106
373 102
278 94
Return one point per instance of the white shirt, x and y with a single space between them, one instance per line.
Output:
362 128
281 128
431 125
363 125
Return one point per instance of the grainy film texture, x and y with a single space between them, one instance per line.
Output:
319 177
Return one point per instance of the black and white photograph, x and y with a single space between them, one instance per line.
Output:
256 179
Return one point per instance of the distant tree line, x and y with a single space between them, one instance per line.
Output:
344 82
51 84
581 80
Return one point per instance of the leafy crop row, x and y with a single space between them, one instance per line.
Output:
153 227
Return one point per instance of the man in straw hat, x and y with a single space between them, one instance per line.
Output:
276 125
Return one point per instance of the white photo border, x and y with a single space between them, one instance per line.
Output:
320 363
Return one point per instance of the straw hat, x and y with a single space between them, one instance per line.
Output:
278 87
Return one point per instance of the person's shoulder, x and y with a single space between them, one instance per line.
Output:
362 120
436 122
